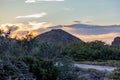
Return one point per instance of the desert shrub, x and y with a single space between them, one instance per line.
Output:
115 74
41 69
96 50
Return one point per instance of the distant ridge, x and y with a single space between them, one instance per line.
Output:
116 41
56 35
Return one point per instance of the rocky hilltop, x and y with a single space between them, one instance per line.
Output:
56 35
116 41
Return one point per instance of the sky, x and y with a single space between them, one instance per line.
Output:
64 12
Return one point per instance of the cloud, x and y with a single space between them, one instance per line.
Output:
85 20
76 21
42 25
94 29
33 16
20 30
106 37
82 31
33 1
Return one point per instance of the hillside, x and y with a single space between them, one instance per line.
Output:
116 41
56 35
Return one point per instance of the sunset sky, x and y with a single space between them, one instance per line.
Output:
46 13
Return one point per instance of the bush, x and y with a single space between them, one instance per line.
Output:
115 74
41 69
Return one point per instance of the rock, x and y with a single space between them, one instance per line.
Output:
116 41
56 35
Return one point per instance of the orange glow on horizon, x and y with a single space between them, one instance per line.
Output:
22 31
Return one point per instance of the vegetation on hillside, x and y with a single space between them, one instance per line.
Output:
51 61
96 50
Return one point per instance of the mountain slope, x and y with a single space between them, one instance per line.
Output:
56 35
116 41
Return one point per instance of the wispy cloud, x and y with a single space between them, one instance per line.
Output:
33 1
42 25
85 20
33 15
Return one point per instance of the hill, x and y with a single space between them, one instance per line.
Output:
116 41
56 35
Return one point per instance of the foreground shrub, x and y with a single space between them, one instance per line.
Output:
115 74
41 69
